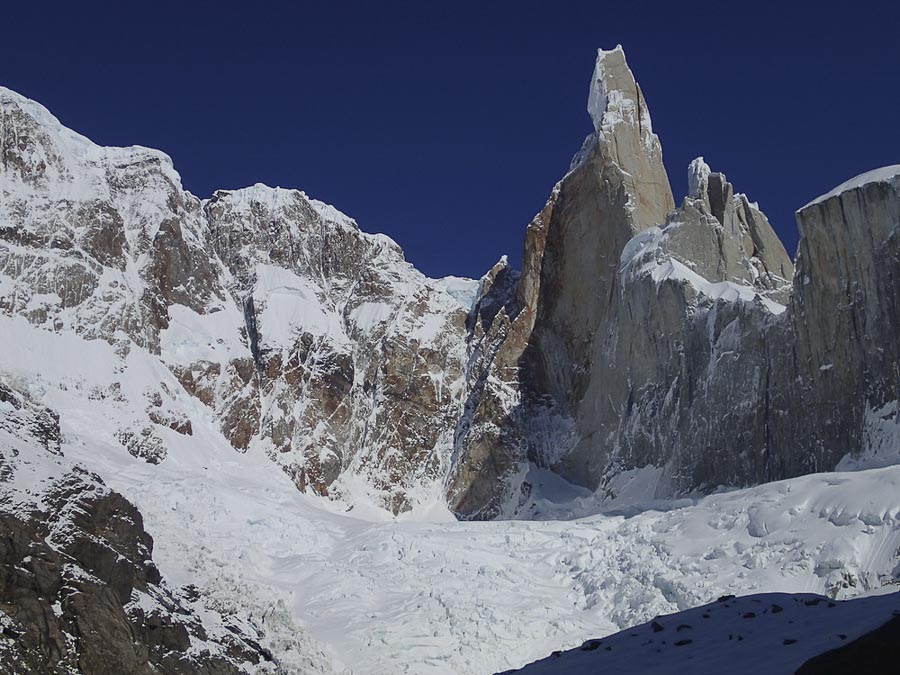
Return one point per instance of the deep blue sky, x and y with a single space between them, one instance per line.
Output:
445 125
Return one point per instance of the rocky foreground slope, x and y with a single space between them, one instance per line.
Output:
772 633
676 346
79 591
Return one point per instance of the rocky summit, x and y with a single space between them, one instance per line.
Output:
676 347
700 346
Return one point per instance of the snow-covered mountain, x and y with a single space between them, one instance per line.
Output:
320 346
309 340
299 416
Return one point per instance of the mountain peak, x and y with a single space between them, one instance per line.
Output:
615 96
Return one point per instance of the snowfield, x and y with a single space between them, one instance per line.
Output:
341 589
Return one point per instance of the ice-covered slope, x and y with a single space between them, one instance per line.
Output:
424 593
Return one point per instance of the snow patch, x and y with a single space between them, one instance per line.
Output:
292 305
882 175
461 289
192 337
724 290
643 254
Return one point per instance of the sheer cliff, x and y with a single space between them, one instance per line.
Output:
656 352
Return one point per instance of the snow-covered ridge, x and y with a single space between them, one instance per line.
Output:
243 295
76 148
882 175
10 99
77 165
724 290
273 197
644 254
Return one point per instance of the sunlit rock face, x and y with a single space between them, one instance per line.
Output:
669 351
357 357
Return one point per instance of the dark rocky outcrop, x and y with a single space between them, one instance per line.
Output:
773 633
875 652
79 591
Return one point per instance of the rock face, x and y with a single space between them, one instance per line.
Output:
845 314
669 348
565 294
357 356
78 589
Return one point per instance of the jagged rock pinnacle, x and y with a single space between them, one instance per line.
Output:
698 178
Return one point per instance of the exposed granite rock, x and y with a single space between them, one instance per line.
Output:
487 440
621 119
673 341
742 248
845 318
617 187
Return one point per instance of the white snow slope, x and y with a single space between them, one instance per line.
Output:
880 175
423 593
